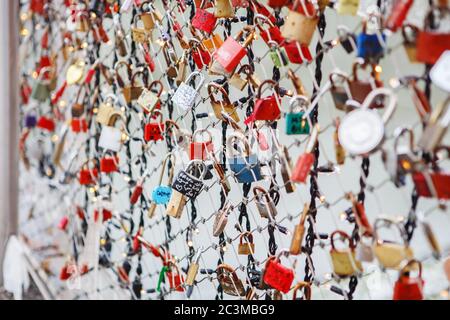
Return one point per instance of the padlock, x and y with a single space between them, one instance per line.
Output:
77 109
277 3
213 42
162 194
237 80
297 83
245 166
398 14
126 87
110 136
193 269
223 9
359 213
295 121
150 16
360 89
431 43
109 164
221 219
229 281
186 95
41 89
297 53
200 55
407 287
182 65
154 131
278 55
148 100
46 123
176 205
344 261
272 33
338 148
246 246
349 7
79 125
431 238
139 34
362 130
436 127
189 182
268 108
88 175
299 232
83 21
364 250
339 93
231 52
409 34
306 287
371 41
201 150
136 89
301 23
390 255
276 275
432 185
120 40
204 20
105 110
264 203
307 159
30 121
75 73
223 105
176 280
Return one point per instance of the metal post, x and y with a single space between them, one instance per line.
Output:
9 123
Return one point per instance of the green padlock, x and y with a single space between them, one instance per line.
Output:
296 123
41 90
278 55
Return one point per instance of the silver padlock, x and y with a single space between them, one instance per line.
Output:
436 128
264 203
111 137
362 130
364 251
186 95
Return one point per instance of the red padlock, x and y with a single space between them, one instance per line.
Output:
176 280
360 216
306 160
109 164
200 54
62 225
231 52
277 3
278 276
201 150
204 20
88 175
37 6
46 124
398 14
432 185
406 287
137 192
154 131
297 53
79 125
266 109
272 33
105 213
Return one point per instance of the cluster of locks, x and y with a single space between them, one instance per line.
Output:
117 95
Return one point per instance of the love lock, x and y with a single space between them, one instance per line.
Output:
362 130
186 95
295 121
111 137
245 166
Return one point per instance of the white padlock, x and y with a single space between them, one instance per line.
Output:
186 95
111 137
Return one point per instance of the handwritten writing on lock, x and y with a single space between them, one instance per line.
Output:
187 185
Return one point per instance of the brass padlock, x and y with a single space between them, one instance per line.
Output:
139 34
176 205
344 261
223 105
409 34
246 246
306 286
126 87
105 110
224 9
390 254
300 27
299 232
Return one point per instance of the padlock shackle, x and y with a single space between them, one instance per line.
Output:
300 101
117 67
272 83
407 38
201 132
390 107
248 236
407 268
260 190
306 286
192 76
214 87
343 235
154 84
191 166
399 133
386 221
361 64
141 74
240 137
337 75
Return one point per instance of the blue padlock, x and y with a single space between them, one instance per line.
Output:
30 121
161 195
296 123
369 46
245 166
